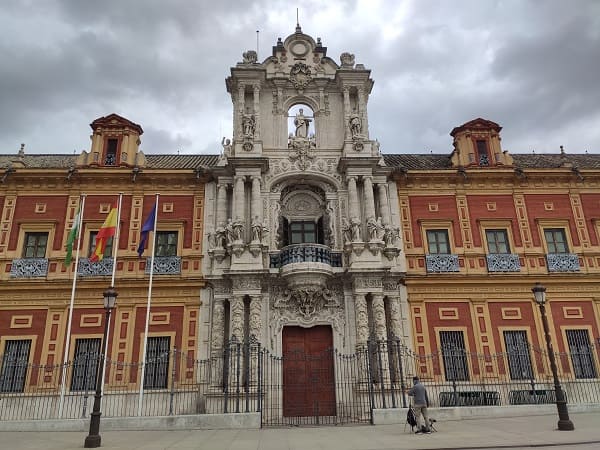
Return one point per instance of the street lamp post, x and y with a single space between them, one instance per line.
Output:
564 423
93 439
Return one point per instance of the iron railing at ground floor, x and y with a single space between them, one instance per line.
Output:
296 388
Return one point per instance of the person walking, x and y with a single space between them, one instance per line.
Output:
419 393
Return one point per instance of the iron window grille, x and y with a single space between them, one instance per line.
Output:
454 355
157 362
517 352
85 364
15 361
582 356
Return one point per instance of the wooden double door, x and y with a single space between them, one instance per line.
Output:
308 373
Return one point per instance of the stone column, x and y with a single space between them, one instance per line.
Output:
255 325
363 111
353 204
395 203
383 203
369 198
217 340
255 206
362 320
237 317
238 198
395 317
241 107
382 360
221 204
347 111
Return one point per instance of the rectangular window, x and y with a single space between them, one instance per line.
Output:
85 364
14 365
497 241
517 352
438 242
581 351
166 243
454 355
157 362
482 153
35 245
111 152
107 249
556 239
303 232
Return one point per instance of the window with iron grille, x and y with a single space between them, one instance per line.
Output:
107 249
556 239
157 362
482 153
111 152
85 364
454 355
166 243
35 245
438 242
14 365
517 352
497 241
581 351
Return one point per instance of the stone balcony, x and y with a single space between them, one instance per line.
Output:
29 268
442 263
562 262
503 262
306 264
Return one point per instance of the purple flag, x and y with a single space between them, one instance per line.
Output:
146 228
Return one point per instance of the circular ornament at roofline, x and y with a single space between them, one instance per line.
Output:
299 48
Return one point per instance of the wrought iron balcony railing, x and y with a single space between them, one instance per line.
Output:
88 268
562 262
503 262
442 263
29 267
300 253
164 265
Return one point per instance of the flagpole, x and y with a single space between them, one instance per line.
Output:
148 309
112 283
70 321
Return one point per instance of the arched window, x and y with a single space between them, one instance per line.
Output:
301 121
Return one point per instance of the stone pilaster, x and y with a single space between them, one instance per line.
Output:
256 203
238 198
221 204
362 320
237 318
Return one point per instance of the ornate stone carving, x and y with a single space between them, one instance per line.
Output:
237 317
246 283
362 319
300 75
218 324
249 57
302 151
368 282
347 60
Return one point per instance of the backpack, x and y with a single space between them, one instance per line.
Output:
411 418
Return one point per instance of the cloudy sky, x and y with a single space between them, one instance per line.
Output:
531 66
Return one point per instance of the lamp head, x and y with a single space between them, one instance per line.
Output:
110 298
539 293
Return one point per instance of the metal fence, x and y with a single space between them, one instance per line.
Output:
294 389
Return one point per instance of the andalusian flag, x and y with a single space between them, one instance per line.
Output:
72 236
107 231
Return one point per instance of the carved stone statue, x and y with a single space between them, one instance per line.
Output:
372 228
346 231
238 229
212 240
380 229
229 232
221 236
355 125
301 122
355 224
391 235
249 57
226 143
257 229
347 59
248 124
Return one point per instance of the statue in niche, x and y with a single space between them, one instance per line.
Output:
355 224
229 234
346 231
248 124
238 229
372 228
257 230
301 122
355 125
221 236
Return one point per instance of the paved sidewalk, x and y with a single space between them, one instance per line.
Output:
518 432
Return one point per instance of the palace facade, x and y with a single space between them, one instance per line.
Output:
300 235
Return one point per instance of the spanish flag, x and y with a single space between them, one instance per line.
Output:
107 231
